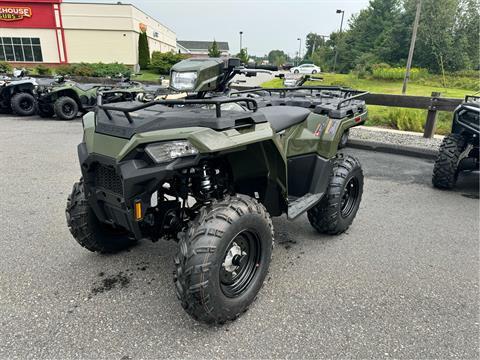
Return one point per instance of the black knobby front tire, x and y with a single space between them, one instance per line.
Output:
65 108
23 104
200 262
88 231
296 72
445 170
335 212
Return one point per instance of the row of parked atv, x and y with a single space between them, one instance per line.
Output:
63 98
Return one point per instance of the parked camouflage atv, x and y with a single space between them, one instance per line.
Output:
65 99
210 172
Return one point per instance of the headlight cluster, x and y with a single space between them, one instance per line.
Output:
183 80
168 151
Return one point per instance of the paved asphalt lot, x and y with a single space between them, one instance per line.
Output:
401 283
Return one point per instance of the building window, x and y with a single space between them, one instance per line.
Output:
20 49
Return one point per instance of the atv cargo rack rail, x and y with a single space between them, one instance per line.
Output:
346 93
217 102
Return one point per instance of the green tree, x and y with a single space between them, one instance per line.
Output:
143 51
313 42
213 50
277 57
243 56
162 62
442 45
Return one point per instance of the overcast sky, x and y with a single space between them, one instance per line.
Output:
266 24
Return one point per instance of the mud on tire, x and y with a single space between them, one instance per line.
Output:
205 288
335 212
88 231
445 170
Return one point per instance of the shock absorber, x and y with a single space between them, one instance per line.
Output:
205 181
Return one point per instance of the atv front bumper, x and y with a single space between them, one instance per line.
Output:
113 189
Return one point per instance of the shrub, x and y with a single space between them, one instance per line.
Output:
364 65
94 70
162 62
5 67
385 72
63 70
42 70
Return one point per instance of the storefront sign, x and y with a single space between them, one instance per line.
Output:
11 13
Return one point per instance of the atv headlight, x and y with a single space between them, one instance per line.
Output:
168 151
183 80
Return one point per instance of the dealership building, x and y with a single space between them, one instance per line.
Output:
56 32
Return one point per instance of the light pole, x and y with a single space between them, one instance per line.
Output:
339 34
299 50
241 33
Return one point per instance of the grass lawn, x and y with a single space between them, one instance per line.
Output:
147 75
403 119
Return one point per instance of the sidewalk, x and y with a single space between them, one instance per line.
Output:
394 141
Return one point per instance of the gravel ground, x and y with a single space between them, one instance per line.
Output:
402 282
395 137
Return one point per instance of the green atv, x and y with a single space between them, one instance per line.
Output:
210 171
65 99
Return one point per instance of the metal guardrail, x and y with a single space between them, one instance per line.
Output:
433 104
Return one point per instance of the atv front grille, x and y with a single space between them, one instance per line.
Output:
107 178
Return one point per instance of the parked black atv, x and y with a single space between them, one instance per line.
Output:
17 96
459 151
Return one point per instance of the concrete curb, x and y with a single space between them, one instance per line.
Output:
393 149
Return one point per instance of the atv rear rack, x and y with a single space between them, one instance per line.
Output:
217 102
347 93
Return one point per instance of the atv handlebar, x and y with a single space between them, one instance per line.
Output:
217 102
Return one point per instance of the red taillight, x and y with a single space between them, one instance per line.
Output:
358 119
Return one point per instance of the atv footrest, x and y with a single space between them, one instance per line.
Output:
303 204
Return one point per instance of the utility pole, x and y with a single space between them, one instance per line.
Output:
412 47
299 50
241 33
339 34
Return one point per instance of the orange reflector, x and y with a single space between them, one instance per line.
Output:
138 210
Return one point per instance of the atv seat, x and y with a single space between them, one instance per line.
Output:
86 87
282 117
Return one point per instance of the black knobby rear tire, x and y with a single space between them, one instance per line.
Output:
445 170
45 111
65 108
200 273
23 104
88 231
335 212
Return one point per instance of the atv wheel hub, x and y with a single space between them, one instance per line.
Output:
233 258
350 197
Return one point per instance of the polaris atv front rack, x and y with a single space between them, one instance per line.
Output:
217 102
